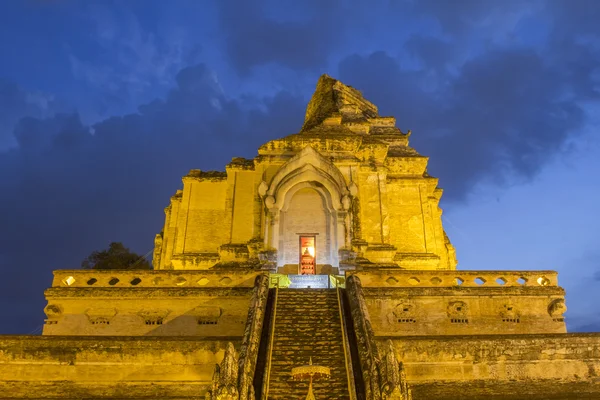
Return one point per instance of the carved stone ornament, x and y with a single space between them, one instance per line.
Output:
457 309
101 312
53 311
557 308
269 202
203 311
262 188
224 385
393 379
233 378
153 317
383 377
100 316
251 338
509 310
404 310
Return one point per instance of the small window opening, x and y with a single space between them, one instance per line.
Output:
135 281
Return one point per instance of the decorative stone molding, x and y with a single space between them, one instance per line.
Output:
100 316
154 317
233 378
233 252
53 311
224 385
207 312
457 309
252 335
367 349
383 377
404 309
307 165
262 188
510 313
557 308
393 378
156 255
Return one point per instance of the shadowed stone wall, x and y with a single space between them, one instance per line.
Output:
516 367
39 367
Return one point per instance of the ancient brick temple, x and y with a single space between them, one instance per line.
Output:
318 268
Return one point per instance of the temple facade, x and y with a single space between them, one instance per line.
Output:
319 268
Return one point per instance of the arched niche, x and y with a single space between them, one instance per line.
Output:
312 185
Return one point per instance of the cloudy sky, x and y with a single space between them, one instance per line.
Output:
104 105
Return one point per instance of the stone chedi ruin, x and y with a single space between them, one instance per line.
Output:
319 269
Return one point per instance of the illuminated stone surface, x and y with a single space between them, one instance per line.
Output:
223 315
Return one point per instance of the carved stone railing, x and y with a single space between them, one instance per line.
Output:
383 377
346 345
233 378
444 278
252 334
152 279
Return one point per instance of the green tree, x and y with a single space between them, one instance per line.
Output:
116 257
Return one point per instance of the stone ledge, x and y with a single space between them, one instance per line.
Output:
462 291
541 389
125 278
396 277
58 292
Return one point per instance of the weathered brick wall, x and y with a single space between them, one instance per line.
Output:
39 367
406 303
559 366
150 303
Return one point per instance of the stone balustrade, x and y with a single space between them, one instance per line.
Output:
374 278
152 279
461 278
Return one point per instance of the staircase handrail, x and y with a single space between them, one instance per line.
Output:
347 357
265 391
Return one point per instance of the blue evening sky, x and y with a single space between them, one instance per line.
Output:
104 105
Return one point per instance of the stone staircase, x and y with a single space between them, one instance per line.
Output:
307 324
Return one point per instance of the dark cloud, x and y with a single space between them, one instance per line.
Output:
15 103
431 51
482 102
65 192
460 18
504 114
253 39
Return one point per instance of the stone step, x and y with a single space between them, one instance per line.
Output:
307 325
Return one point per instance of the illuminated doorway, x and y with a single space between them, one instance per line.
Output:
308 260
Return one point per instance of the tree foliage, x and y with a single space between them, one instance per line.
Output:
116 256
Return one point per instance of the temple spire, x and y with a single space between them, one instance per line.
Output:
333 100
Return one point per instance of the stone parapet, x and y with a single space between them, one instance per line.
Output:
141 303
153 279
442 302
394 277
